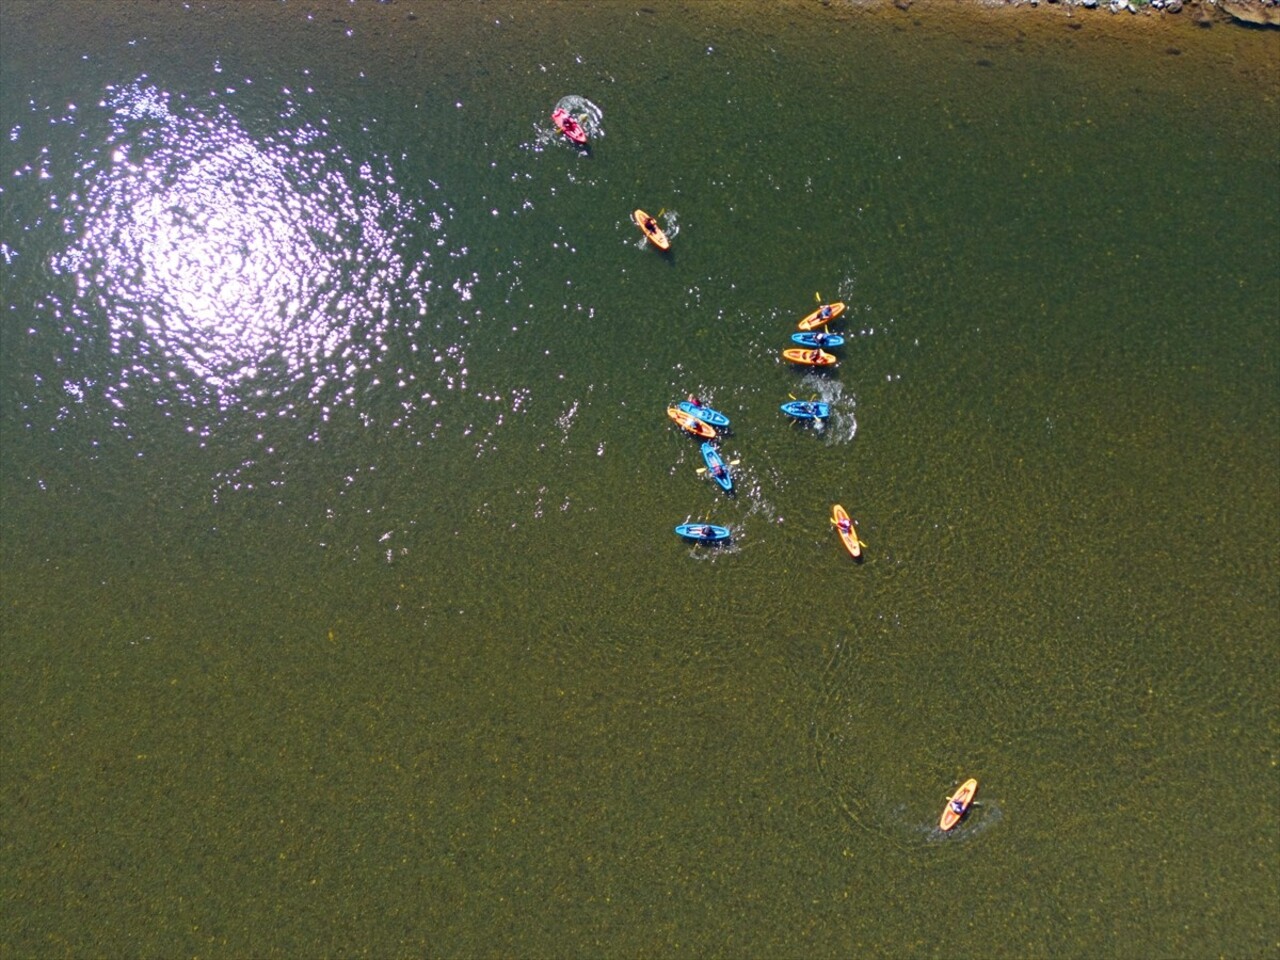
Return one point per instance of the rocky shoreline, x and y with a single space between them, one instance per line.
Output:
1254 13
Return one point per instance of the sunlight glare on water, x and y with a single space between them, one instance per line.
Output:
249 273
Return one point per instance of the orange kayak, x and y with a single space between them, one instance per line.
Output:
848 532
699 428
649 227
958 803
825 313
810 358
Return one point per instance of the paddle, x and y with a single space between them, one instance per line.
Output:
731 463
852 529
706 520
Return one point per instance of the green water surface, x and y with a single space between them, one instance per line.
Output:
404 679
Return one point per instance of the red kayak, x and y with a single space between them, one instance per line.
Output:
567 125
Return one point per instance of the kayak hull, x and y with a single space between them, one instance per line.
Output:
717 469
703 532
691 424
965 797
567 125
819 317
809 358
705 414
817 339
653 233
840 518
807 410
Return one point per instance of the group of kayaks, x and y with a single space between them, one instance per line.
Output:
813 342
691 415
812 353
696 418
705 424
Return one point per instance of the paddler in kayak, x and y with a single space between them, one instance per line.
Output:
648 225
567 125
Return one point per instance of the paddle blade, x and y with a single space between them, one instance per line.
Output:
731 463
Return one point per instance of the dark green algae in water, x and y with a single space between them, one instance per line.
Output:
438 678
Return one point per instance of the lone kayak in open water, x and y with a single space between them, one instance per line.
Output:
649 227
567 124
957 804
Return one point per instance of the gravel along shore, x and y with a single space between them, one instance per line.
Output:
1205 13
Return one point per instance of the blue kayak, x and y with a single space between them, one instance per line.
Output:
807 410
716 467
705 414
818 340
703 532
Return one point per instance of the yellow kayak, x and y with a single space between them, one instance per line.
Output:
699 428
848 532
809 358
958 803
649 227
826 312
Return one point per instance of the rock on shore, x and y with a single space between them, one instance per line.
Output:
1260 12
1265 12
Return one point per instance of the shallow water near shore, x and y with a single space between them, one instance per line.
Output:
342 608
